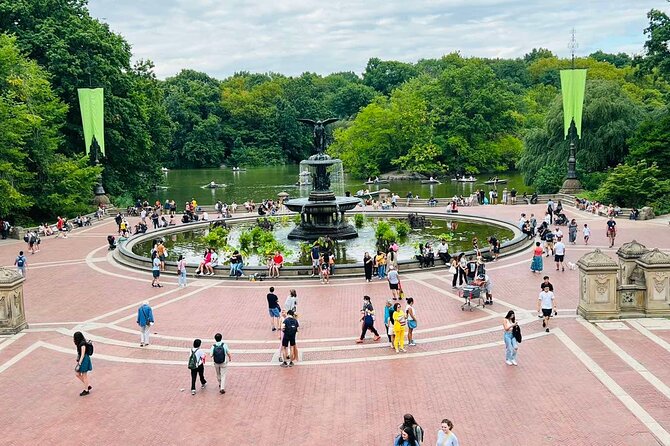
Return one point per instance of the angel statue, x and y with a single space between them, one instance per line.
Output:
319 129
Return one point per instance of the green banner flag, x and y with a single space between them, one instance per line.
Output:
91 103
573 84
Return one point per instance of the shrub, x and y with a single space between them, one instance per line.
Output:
402 228
217 238
359 220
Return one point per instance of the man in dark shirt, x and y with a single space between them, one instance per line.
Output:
315 254
611 230
546 283
273 308
495 247
290 329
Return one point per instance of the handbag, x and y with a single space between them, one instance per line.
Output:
452 269
401 293
411 324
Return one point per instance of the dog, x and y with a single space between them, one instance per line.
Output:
572 266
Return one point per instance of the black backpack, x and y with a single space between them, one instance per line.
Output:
290 326
219 354
516 332
89 348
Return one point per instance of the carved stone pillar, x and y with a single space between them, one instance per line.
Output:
598 286
632 287
656 267
12 311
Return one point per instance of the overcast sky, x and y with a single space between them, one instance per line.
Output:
221 37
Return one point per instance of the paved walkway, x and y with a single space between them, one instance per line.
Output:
580 384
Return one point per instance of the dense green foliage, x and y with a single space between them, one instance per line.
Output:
634 185
36 181
435 116
261 242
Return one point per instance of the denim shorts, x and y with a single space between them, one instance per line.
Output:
274 312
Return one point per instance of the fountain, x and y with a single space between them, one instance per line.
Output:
322 213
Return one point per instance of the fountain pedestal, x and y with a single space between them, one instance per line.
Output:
322 213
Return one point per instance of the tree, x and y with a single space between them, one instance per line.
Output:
619 60
657 57
385 76
651 142
634 185
537 54
610 117
35 182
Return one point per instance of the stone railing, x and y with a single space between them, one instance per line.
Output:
637 286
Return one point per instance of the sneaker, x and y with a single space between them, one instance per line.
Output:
376 338
403 350
192 392
222 391
562 268
274 329
412 343
204 385
84 393
359 341
514 362
397 351
290 364
141 345
508 362
283 364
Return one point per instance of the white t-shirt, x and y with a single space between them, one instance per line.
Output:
409 316
290 303
199 356
587 232
442 248
393 277
559 249
547 299
558 233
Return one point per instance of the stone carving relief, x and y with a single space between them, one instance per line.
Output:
627 298
637 276
659 282
602 283
3 309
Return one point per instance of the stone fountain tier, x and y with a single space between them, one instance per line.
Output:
322 214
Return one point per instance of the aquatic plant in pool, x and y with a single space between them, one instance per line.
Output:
459 234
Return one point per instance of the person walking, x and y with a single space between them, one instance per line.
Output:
462 268
388 320
155 270
536 263
84 365
394 282
572 231
411 321
547 304
221 356
196 364
368 320
445 436
611 231
559 254
511 345
21 264
587 233
408 422
289 329
181 271
368 263
291 302
325 269
399 324
315 254
273 308
405 438
145 319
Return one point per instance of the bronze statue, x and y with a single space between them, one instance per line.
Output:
319 132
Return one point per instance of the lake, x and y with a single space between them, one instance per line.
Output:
259 183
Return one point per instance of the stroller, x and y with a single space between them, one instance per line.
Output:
112 243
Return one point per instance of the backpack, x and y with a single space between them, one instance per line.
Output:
89 348
20 261
192 361
219 354
290 326
516 332
26 238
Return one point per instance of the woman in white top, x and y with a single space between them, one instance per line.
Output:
181 271
291 301
411 320
199 361
511 346
445 437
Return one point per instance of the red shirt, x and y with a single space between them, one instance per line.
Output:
59 225
278 259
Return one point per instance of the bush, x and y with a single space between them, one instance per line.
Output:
548 179
359 220
402 228
261 242
385 235
634 185
217 238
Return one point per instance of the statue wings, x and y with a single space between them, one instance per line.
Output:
329 121
307 121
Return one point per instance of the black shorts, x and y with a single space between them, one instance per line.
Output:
288 340
496 249
558 258
156 273
546 312
393 286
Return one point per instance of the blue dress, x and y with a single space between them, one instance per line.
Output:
536 264
86 365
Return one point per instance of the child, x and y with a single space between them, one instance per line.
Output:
323 266
587 234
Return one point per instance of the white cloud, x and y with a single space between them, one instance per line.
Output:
294 36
